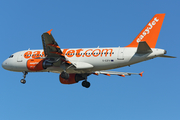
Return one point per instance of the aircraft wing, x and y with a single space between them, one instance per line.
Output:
50 46
52 50
122 74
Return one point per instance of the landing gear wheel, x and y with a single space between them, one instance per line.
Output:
86 84
23 81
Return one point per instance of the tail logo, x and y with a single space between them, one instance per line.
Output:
147 30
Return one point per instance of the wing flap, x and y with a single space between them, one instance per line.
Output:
82 65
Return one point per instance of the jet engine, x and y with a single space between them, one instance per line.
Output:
73 78
38 64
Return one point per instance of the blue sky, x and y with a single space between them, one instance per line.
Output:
81 24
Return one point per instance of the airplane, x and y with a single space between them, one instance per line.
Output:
76 65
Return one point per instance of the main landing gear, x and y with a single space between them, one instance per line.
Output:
23 81
86 84
65 75
77 78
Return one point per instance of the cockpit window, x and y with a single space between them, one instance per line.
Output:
11 56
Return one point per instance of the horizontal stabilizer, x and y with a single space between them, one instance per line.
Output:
143 48
166 56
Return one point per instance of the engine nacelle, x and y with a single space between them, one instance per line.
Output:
73 78
38 64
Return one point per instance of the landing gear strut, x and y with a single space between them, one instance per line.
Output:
23 81
65 75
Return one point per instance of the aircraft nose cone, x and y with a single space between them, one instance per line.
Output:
5 65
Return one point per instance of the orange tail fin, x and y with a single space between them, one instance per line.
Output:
150 32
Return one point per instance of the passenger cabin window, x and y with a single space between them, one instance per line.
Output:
11 56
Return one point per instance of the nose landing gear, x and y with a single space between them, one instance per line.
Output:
23 81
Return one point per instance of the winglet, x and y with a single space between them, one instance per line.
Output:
141 73
49 32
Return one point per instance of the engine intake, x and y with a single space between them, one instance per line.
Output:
47 64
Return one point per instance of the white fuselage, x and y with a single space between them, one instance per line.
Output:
87 60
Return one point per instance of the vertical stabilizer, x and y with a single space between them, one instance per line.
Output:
150 32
